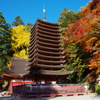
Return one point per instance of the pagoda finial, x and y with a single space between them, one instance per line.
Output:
44 13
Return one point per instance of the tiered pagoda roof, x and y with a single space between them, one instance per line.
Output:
46 56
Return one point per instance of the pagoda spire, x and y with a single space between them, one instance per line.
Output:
44 13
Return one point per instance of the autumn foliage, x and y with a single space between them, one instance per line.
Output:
20 41
85 33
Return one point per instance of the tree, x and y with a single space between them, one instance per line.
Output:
18 21
67 17
29 26
20 41
85 34
5 40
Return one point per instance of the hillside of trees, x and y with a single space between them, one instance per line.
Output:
80 36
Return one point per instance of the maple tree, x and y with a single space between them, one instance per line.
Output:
92 42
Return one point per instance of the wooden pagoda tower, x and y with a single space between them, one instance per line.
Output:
46 56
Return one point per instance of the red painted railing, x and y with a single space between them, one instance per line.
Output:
48 90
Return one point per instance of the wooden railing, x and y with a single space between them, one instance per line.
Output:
48 90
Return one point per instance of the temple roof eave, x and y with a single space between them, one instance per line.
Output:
45 61
48 40
46 57
45 53
49 36
50 66
48 26
47 29
49 48
51 57
45 44
45 22
48 33
49 61
52 72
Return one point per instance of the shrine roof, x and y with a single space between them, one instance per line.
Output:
18 68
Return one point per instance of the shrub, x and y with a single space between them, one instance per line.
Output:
97 89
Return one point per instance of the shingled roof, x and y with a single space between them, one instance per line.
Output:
18 68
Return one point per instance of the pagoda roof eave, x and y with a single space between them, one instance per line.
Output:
48 52
49 48
43 39
50 66
49 33
52 72
53 57
48 23
45 53
43 43
48 40
49 44
48 36
47 29
45 48
48 26
47 61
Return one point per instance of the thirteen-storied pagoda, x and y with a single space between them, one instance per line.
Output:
46 55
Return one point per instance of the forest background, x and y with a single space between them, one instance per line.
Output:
80 36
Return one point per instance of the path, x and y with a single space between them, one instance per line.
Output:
81 97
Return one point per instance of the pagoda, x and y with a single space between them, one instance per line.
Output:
46 56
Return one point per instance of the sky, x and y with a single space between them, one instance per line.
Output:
30 10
